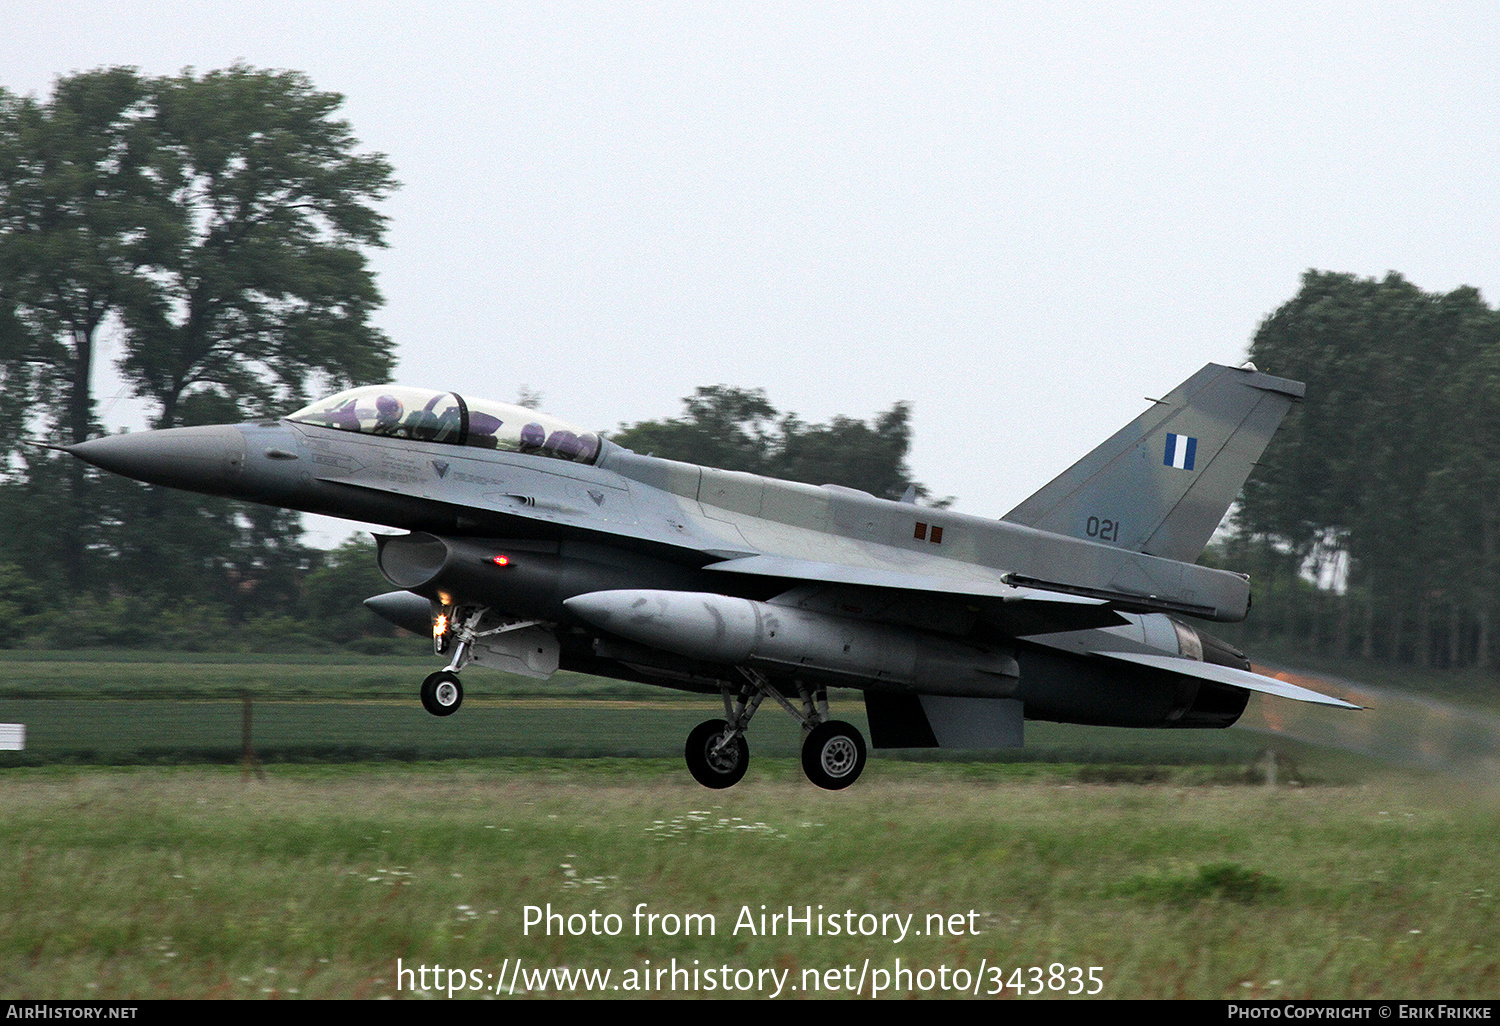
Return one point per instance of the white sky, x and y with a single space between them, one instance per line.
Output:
1023 218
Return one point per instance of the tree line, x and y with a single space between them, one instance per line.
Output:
1370 525
738 429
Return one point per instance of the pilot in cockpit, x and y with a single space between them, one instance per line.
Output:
482 428
533 437
388 410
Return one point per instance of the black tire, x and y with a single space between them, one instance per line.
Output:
717 771
833 755
442 694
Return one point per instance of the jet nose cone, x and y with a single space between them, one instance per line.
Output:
199 459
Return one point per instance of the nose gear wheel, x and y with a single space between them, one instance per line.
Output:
442 693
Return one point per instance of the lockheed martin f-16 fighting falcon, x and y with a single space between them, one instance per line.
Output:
533 546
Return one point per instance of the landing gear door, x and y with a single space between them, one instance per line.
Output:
530 652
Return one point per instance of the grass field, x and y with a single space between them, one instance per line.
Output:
154 731
1150 855
128 708
192 881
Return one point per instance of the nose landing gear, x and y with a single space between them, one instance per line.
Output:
442 693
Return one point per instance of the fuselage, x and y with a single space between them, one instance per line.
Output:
678 511
540 546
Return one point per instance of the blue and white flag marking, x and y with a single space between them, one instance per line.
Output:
1181 451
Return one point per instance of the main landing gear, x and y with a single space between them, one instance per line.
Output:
833 755
716 757
442 693
833 752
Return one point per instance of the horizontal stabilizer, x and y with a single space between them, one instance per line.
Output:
1228 675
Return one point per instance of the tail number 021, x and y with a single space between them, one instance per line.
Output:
1104 530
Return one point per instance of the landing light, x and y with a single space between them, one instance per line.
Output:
440 625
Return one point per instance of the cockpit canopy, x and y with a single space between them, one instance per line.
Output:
448 418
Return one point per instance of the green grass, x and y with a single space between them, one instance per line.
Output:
109 709
1141 852
154 731
196 882
191 675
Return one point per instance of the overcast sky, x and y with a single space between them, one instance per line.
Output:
1022 218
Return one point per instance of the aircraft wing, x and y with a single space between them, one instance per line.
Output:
1031 610
1227 675
982 583
972 582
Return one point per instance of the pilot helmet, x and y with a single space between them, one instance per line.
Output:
388 408
533 435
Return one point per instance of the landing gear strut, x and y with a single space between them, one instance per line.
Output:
442 693
833 752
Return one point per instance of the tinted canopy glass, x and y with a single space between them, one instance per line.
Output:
447 417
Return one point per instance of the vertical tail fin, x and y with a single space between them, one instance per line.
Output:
1163 482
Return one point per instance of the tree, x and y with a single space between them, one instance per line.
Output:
738 429
724 427
76 209
221 218
218 224
334 592
258 280
850 452
1391 462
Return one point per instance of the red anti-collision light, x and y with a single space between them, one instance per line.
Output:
501 561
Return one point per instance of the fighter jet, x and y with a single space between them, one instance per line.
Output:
533 546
